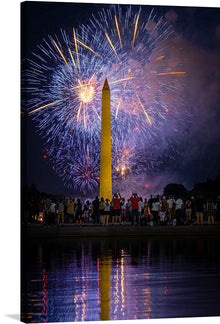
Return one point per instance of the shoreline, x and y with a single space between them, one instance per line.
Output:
91 230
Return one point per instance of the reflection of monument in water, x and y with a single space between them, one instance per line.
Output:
105 160
105 288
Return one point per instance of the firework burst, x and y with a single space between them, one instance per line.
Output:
137 52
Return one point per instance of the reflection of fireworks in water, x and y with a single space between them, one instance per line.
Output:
138 54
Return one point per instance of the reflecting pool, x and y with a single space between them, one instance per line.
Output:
92 279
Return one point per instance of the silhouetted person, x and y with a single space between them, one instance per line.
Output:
210 211
60 214
116 214
95 216
134 201
199 206
178 210
78 211
70 211
52 213
101 209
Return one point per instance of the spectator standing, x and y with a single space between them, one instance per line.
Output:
199 207
64 200
155 210
123 209
79 211
188 210
128 210
75 204
134 201
52 214
86 213
60 214
70 211
116 213
101 209
150 202
178 210
193 208
147 211
170 203
164 205
95 205
210 210
106 212
140 210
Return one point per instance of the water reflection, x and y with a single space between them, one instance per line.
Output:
118 279
44 292
105 287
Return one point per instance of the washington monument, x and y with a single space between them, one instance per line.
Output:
106 161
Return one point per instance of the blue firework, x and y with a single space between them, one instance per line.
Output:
137 52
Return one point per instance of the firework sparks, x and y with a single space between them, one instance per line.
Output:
135 31
61 54
48 105
78 113
119 35
146 114
128 56
159 58
74 63
75 41
112 46
125 79
88 48
119 103
171 73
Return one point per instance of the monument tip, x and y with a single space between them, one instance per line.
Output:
106 86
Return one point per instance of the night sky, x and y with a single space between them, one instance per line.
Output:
199 33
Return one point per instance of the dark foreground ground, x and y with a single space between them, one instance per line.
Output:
35 230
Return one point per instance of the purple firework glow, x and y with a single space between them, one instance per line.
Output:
139 54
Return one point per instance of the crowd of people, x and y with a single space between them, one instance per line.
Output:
156 211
